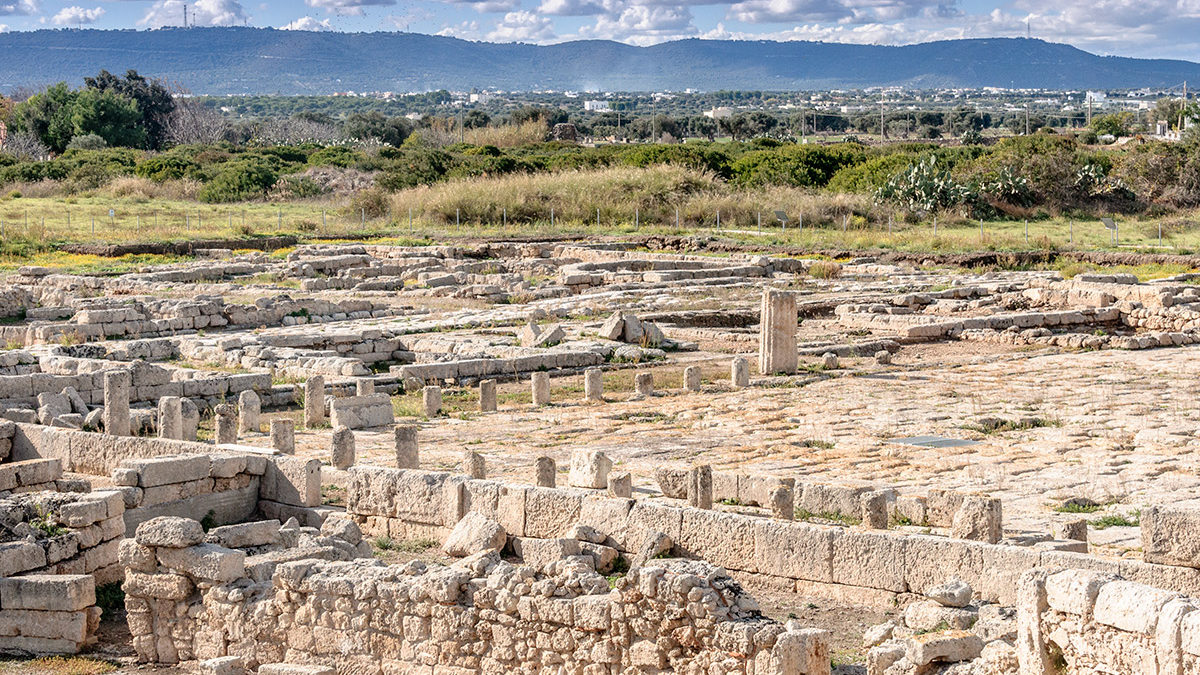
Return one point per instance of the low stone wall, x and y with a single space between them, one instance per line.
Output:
873 566
42 614
1079 621
31 475
62 533
94 453
189 600
221 487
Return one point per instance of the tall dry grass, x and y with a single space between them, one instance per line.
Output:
651 195
507 135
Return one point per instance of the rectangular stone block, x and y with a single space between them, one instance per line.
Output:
646 518
20 556
794 550
1171 535
724 539
549 511
48 592
930 561
869 559
1130 606
292 480
170 469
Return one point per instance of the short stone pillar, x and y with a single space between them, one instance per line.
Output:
225 423
431 400
883 357
589 469
1075 530
979 518
643 385
487 396
342 450
170 418
540 384
314 402
116 402
777 332
783 503
620 485
593 384
739 372
829 361
700 486
406 447
283 435
874 509
546 471
191 418
691 378
249 409
364 387
473 465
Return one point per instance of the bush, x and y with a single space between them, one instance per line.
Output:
87 142
415 167
162 168
240 180
372 203
797 165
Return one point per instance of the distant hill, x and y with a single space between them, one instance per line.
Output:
266 61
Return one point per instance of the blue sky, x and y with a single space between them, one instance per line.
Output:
1148 28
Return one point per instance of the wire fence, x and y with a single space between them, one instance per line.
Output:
125 224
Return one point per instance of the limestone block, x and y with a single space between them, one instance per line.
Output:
869 559
1130 606
777 332
929 615
548 513
205 561
673 482
283 435
407 453
474 534
538 553
979 518
245 535
48 592
724 539
691 378
342 451
545 472
314 402
474 465
589 469
292 480
431 399
794 550
249 410
540 385
643 385
593 385
487 396
739 372
948 646
620 485
951 593
169 469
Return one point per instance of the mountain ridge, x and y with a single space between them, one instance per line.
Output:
266 60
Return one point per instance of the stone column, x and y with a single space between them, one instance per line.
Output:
191 419
364 387
406 447
249 407
116 402
643 385
700 487
739 372
547 472
1072 529
540 383
431 400
342 450
473 465
487 396
691 378
777 332
314 402
283 436
593 384
225 423
170 418
783 503
829 361
620 485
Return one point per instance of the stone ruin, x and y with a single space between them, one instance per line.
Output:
246 444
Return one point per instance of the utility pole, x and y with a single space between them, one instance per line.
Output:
460 124
1089 118
1183 108
1026 119
185 15
881 127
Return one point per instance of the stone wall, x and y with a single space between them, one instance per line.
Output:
62 533
873 566
223 487
188 600
42 614
1087 622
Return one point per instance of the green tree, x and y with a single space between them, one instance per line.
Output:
110 116
389 130
1115 124
154 103
475 119
47 115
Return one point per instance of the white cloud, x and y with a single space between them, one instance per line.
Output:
845 11
199 13
3 28
73 16
350 7
467 30
308 23
19 7
522 27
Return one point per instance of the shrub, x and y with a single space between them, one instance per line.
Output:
165 167
240 180
87 142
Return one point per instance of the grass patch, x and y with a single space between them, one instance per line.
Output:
816 443
1075 507
333 495
827 516
57 665
417 545
1116 520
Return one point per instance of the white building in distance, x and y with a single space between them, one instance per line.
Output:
597 106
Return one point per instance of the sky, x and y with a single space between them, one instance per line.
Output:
1145 28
